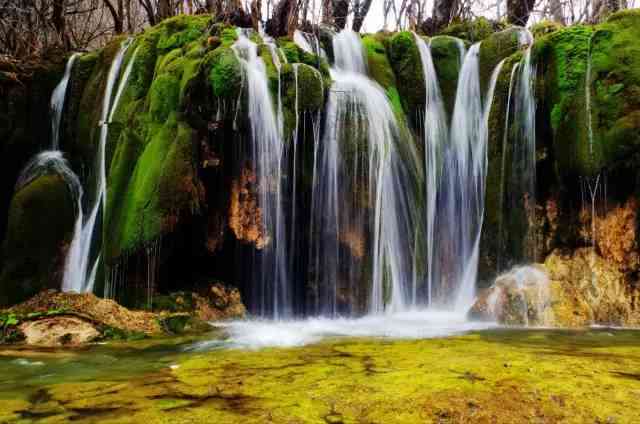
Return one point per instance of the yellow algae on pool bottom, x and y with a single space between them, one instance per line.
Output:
498 376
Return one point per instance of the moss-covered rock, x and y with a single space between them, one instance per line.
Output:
447 59
564 56
615 91
495 48
41 218
545 27
472 30
25 93
380 69
225 73
405 61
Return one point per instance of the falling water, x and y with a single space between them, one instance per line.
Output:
525 148
46 163
272 297
78 276
503 166
57 102
376 225
435 138
309 43
52 161
348 52
463 187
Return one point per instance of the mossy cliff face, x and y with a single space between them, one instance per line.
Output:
40 223
178 149
24 101
404 58
609 93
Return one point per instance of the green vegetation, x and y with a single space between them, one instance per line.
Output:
472 31
495 48
36 233
447 60
494 376
404 58
380 70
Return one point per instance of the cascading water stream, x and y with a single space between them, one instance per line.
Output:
272 296
520 128
52 161
57 102
359 113
78 276
435 139
309 43
461 197
523 175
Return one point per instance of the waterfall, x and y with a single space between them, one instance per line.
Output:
78 276
348 52
503 166
272 296
309 43
524 152
57 102
53 161
354 224
435 139
520 128
278 58
461 192
49 162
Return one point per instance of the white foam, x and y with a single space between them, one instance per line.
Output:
257 334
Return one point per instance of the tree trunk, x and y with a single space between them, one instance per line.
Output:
164 9
340 13
359 14
58 20
518 11
327 12
284 19
118 25
555 9
442 10
256 14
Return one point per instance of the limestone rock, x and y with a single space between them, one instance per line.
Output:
59 331
521 296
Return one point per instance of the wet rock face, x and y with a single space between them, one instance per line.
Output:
245 215
588 289
521 296
59 331
571 289
211 303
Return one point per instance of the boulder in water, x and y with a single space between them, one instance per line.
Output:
521 296
59 331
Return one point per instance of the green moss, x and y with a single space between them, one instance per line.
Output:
180 30
41 218
564 55
472 31
615 89
310 89
380 69
405 61
152 184
495 48
503 376
542 28
225 73
447 61
495 228
164 96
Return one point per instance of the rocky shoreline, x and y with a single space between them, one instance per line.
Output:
52 318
